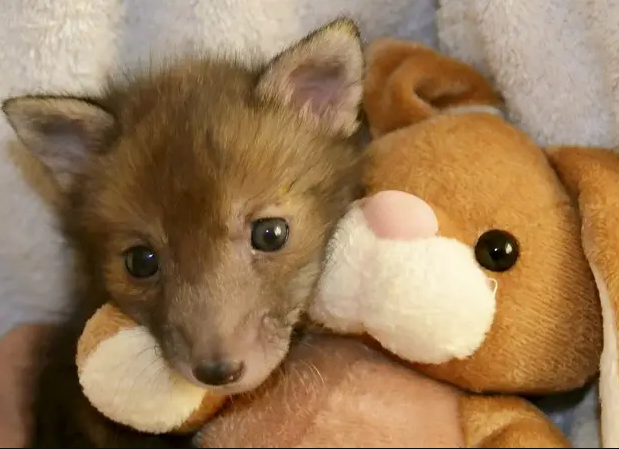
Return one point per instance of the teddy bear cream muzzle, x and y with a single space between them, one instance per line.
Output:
386 261
124 376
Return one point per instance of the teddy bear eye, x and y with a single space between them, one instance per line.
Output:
497 250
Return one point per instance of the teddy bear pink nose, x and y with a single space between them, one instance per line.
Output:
396 215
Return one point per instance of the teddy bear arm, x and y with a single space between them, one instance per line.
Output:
491 422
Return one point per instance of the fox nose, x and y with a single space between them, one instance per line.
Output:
397 215
218 372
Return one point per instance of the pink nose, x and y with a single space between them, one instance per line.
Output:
397 215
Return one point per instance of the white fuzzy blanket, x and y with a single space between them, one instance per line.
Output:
555 61
69 45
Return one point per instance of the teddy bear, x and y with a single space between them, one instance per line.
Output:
454 286
464 257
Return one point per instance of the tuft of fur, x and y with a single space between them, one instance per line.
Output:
184 158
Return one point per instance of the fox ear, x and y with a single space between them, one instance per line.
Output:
320 76
62 132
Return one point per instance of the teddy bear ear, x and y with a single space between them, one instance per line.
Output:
407 82
591 176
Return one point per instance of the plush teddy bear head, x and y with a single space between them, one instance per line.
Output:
465 255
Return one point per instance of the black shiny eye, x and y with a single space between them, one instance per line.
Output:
497 250
269 234
141 262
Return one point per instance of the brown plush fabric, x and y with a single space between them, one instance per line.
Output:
338 392
503 421
407 82
480 173
592 177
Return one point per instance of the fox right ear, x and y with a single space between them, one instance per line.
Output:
62 132
320 77
407 82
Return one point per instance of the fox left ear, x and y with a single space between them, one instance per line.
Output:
320 77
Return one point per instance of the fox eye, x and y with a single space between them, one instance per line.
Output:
269 234
141 262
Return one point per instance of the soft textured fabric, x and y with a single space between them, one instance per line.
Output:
70 46
591 175
555 61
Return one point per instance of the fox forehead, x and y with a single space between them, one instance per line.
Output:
254 158
175 123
